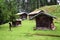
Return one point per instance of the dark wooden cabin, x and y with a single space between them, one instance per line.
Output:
17 22
43 20
23 15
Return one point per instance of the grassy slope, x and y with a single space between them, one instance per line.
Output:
54 10
24 32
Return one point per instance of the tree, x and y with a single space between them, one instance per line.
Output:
3 14
12 9
8 9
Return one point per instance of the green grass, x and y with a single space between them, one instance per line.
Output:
26 32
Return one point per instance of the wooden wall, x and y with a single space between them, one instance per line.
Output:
44 21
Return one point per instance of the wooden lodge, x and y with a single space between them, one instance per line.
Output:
23 15
43 20
17 22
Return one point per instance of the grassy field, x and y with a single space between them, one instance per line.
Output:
26 32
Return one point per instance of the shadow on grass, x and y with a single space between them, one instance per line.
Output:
51 35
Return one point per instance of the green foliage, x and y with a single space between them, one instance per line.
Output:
3 12
34 4
7 9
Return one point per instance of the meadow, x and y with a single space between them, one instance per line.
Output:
26 32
